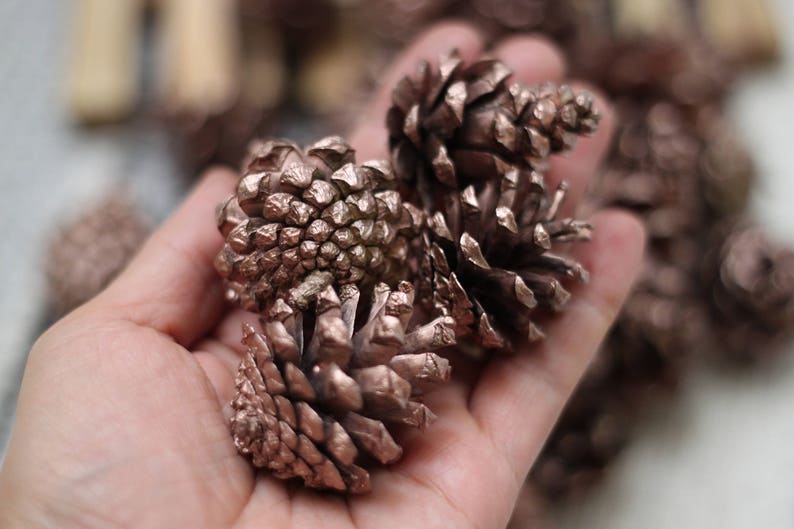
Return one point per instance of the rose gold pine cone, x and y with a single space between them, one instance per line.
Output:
92 250
751 283
300 212
314 403
455 124
490 264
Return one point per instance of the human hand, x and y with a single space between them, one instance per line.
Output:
121 418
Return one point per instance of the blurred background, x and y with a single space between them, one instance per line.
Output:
110 108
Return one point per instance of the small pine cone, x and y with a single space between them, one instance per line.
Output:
311 404
549 16
751 283
653 171
398 21
457 124
298 212
488 262
219 138
686 72
92 250
592 431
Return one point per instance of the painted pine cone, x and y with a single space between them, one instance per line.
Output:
297 212
592 430
751 283
488 262
91 250
457 124
311 404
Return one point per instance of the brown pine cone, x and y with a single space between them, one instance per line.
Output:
91 250
683 71
399 21
312 404
548 16
488 261
457 124
654 162
593 429
751 283
300 212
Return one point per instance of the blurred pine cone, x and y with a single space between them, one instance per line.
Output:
455 124
592 430
91 250
311 404
501 16
300 212
399 21
683 71
487 261
751 282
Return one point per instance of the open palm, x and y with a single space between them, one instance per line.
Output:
122 418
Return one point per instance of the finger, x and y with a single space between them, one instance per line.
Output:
533 59
370 138
171 285
519 398
578 167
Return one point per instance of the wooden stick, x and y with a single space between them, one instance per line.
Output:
103 78
743 30
201 55
650 18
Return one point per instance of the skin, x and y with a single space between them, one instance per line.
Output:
122 416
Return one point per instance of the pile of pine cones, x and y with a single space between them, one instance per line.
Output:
361 271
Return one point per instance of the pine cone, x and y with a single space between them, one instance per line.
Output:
312 404
593 429
459 124
297 213
751 283
220 138
92 250
684 71
549 16
488 262
398 21
727 170
653 171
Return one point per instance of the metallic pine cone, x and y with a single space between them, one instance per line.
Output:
91 250
311 404
502 16
297 213
751 282
653 171
684 71
488 261
220 138
454 124
399 21
593 429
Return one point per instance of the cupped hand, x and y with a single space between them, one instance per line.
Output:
121 421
